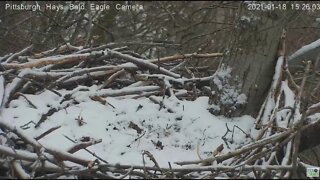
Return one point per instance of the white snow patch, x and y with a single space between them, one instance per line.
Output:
245 18
170 137
229 94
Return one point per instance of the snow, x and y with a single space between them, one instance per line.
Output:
170 137
270 104
245 18
229 94
289 94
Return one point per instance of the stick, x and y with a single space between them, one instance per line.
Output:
52 60
185 56
142 62
46 133
18 154
83 145
125 91
56 153
45 116
207 168
11 58
299 124
251 146
92 153
20 94
112 78
60 49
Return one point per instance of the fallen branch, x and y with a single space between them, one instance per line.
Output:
27 156
47 132
18 154
125 91
92 153
185 57
31 104
25 50
58 50
52 60
259 143
83 145
201 169
143 63
45 116
112 78
22 174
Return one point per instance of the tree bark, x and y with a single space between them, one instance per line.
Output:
251 55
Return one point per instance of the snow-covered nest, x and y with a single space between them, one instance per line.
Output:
170 137
105 113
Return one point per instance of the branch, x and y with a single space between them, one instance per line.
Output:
11 58
185 56
268 140
56 153
313 109
47 132
142 62
20 171
214 168
60 49
83 145
112 78
56 60
125 91
18 154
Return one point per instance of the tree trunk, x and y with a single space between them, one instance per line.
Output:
250 59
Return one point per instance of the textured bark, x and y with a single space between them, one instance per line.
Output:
310 137
253 47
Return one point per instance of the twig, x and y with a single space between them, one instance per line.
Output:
172 173
45 116
214 168
26 126
129 172
52 60
46 133
290 78
154 100
112 78
185 56
59 49
11 58
92 153
125 91
246 148
142 62
83 145
299 124
144 168
20 94
56 153
152 159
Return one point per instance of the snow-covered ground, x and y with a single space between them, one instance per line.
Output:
170 137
